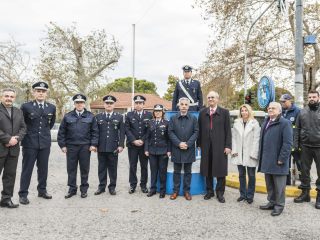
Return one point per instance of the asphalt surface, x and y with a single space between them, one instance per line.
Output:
136 216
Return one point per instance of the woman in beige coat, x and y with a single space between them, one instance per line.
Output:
245 147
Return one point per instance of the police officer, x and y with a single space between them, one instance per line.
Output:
136 125
290 111
77 137
39 117
158 148
188 88
111 142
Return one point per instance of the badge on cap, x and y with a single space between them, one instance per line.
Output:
79 97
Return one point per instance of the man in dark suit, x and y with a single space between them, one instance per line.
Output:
12 131
39 117
188 88
136 124
111 143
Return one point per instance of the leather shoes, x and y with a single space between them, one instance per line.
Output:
240 199
144 190
24 200
112 192
174 196
84 195
8 204
132 190
69 195
208 195
162 195
249 200
150 194
268 206
187 196
276 212
99 191
45 195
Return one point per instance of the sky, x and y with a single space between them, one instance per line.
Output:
169 33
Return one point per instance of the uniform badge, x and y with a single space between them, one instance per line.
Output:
292 119
42 85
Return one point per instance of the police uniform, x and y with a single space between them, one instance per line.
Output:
77 132
158 145
39 118
136 128
190 89
111 136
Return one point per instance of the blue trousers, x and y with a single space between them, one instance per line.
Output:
177 176
158 165
247 192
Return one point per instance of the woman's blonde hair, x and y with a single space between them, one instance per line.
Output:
249 108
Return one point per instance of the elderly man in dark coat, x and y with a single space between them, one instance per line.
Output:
215 143
183 132
12 130
274 155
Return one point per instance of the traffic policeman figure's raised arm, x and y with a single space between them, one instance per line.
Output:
39 116
188 88
77 137
136 124
111 142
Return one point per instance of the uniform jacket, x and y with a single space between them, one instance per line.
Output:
275 145
292 114
39 123
183 129
75 130
111 132
136 128
308 128
157 138
219 137
245 142
9 127
194 91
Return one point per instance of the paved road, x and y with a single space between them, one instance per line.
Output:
135 216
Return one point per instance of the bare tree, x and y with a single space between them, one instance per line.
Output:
73 64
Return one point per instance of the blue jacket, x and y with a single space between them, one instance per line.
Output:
275 145
39 123
157 138
111 132
75 130
291 114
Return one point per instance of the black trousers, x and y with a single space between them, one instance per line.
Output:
107 164
30 157
295 159
78 154
9 166
135 153
158 165
309 154
187 167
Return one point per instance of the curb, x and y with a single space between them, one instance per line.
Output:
232 180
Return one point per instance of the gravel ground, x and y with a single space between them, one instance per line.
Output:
135 216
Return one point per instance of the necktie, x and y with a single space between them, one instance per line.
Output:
268 124
79 114
108 116
187 82
211 118
41 107
157 122
139 115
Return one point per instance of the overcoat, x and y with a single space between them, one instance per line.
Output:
183 129
275 145
245 142
219 138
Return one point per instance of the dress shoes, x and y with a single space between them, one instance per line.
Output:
249 200
112 192
84 195
144 190
24 200
162 195
268 206
240 199
151 193
276 212
8 204
69 195
174 196
208 196
45 195
220 197
187 196
131 190
99 191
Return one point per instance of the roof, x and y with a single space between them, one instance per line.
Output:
124 100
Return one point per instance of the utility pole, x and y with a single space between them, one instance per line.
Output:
299 63
133 62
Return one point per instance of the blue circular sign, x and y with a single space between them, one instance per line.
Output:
266 92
